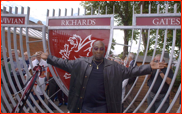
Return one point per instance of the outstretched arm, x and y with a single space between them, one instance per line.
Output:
168 80
64 64
143 69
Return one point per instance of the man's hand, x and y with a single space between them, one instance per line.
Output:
158 65
44 55
16 69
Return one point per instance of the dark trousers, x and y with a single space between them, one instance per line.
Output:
29 99
36 98
122 107
157 103
100 109
15 84
53 87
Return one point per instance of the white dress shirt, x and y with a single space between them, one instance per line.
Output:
41 63
124 83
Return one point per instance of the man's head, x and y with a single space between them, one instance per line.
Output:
26 55
157 58
98 50
38 56
33 57
13 54
126 63
131 57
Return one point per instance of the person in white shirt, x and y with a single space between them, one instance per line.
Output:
124 83
39 88
39 61
42 86
43 63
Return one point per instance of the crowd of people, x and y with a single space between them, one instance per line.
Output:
99 87
45 82
129 61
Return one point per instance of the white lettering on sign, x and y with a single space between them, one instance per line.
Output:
78 22
166 21
5 20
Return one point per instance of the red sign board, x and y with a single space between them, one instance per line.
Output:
158 21
12 20
80 22
75 43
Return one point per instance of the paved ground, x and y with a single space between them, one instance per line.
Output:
142 108
63 108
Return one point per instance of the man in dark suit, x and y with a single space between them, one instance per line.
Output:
96 82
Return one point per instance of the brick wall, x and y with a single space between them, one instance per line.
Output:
34 47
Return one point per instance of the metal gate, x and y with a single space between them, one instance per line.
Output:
9 101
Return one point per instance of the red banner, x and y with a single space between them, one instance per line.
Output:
72 44
158 21
12 20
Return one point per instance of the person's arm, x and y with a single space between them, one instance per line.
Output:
35 85
31 72
46 80
64 64
168 80
58 62
135 71
142 70
48 75
46 87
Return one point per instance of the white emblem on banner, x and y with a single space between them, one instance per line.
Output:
76 45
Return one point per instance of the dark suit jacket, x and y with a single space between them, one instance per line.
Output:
114 74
